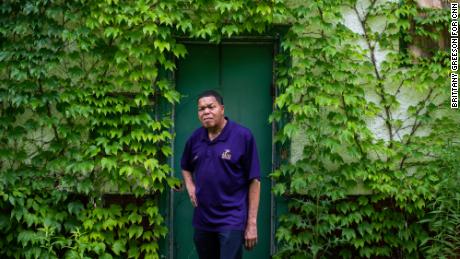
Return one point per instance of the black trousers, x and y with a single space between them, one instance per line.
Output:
219 245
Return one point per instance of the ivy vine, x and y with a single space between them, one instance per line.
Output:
377 130
80 94
84 146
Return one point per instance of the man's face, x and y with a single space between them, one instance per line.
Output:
210 112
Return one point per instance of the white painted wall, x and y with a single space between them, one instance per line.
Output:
407 97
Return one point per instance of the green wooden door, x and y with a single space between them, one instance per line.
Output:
243 74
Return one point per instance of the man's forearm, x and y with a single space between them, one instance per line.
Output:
254 196
188 179
250 234
190 185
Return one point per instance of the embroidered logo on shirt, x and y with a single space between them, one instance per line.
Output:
227 154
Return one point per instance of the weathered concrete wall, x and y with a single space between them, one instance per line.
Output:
352 21
406 98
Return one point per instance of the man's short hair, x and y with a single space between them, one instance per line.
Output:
213 93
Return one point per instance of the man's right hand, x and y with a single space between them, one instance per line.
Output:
191 194
190 185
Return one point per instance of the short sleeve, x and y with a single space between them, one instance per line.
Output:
251 159
185 161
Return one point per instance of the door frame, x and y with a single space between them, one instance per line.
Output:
274 40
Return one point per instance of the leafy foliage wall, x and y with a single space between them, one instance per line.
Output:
382 129
81 84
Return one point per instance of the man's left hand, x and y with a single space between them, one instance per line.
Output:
250 236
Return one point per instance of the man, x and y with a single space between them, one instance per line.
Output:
221 171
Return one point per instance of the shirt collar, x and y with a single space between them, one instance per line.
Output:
222 136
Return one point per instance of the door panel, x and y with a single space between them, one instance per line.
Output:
243 74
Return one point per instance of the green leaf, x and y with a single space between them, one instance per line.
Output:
106 256
172 96
108 163
26 237
133 252
150 29
112 32
179 50
135 231
135 218
229 30
161 45
173 182
119 246
151 164
99 247
109 224
72 254
75 207
127 170
279 189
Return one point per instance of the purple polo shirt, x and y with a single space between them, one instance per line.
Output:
222 170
